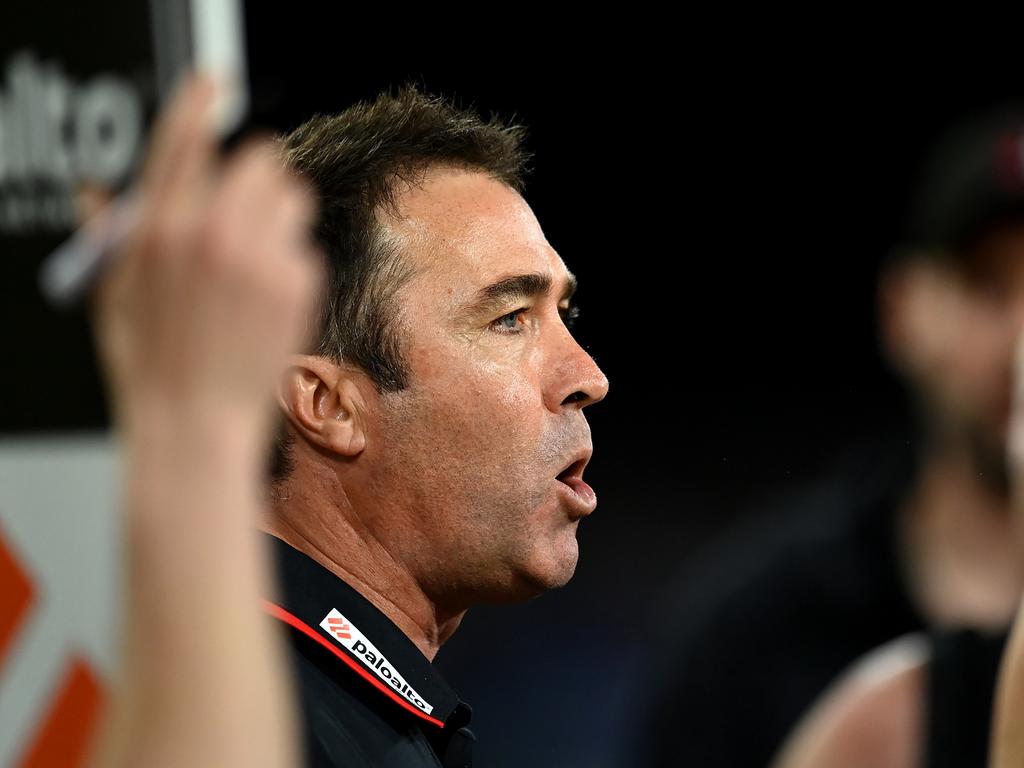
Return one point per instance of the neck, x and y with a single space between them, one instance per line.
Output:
964 553
312 513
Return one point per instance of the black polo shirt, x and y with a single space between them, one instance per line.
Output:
369 697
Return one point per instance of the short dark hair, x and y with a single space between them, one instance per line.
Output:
356 161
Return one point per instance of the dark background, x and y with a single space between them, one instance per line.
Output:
725 198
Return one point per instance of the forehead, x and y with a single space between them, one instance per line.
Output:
463 230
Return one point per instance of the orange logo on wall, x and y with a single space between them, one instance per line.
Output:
63 736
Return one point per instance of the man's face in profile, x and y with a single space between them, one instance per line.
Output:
472 449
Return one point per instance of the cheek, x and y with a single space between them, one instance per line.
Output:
492 412
483 436
972 359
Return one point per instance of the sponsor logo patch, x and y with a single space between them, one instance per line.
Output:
342 630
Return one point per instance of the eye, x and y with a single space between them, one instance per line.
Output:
508 323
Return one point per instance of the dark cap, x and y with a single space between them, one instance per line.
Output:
973 182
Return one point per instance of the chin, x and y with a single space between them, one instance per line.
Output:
533 579
555 567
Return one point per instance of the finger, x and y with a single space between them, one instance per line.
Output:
183 133
190 178
290 221
250 192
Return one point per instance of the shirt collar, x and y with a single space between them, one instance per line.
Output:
321 606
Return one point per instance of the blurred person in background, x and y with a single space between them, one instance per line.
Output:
897 541
946 698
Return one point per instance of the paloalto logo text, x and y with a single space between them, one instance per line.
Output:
55 134
342 630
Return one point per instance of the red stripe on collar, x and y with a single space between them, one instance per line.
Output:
281 614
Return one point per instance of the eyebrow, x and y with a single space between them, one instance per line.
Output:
527 286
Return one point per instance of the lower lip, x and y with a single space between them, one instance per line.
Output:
579 496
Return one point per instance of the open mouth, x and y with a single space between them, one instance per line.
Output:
578 495
573 471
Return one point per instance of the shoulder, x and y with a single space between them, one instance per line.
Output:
874 715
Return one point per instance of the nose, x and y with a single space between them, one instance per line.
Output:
578 381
